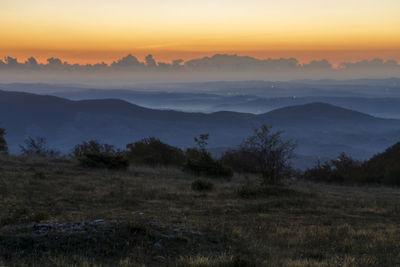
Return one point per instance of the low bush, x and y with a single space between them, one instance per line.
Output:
318 173
381 168
240 161
151 151
3 143
200 162
202 185
104 161
93 154
92 147
343 170
392 175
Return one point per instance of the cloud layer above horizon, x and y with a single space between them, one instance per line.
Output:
219 66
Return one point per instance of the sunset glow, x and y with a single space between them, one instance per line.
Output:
103 30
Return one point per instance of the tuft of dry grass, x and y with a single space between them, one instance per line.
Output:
152 217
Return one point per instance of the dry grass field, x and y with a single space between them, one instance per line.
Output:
55 213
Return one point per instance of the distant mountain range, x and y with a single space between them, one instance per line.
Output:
387 107
321 130
379 98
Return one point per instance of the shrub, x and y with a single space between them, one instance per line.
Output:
240 161
343 170
3 143
201 163
319 173
202 185
392 175
199 160
93 154
92 147
381 167
151 151
104 161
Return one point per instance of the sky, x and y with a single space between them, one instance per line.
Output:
102 30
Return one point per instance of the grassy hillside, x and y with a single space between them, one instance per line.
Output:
54 213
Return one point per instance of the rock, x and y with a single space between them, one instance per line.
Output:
98 221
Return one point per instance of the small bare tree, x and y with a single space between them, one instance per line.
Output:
3 143
271 152
37 147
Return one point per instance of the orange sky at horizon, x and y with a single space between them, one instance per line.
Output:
93 31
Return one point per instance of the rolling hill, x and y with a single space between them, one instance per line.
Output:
381 106
321 129
379 98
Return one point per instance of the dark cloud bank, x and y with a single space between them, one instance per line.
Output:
217 67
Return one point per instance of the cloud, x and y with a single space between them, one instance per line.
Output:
128 62
376 63
224 62
31 61
177 62
54 62
164 66
12 62
150 62
217 67
318 65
